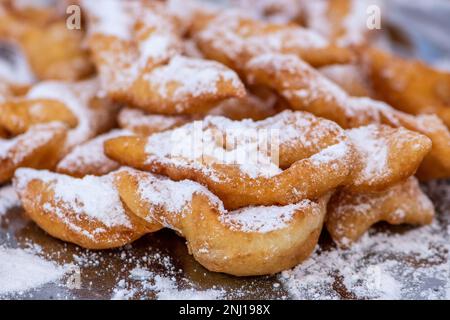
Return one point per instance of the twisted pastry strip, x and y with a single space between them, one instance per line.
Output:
350 78
229 158
275 238
39 147
94 114
276 11
85 211
140 61
19 115
343 22
385 156
146 124
306 89
248 241
53 51
232 38
89 158
351 215
407 85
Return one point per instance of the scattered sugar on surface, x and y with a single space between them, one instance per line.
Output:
21 271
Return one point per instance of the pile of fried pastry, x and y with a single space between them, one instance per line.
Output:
98 125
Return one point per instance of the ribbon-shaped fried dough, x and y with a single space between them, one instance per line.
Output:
39 147
408 85
232 38
386 156
85 211
248 241
94 114
53 51
343 22
144 124
306 89
242 162
140 61
349 77
89 158
18 115
130 203
351 215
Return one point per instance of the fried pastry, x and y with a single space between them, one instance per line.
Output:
277 11
280 160
89 158
145 124
343 22
385 156
18 115
248 241
351 215
87 212
408 85
258 104
39 147
53 51
306 89
233 38
140 61
349 77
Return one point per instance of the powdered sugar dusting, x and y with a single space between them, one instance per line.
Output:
8 199
167 289
374 152
173 196
379 266
91 154
198 143
76 98
114 18
95 197
21 271
262 219
140 122
190 77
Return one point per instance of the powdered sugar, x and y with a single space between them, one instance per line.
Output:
95 197
21 271
76 98
374 151
172 196
201 142
262 219
17 148
167 289
142 123
190 77
90 155
110 17
375 267
8 199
